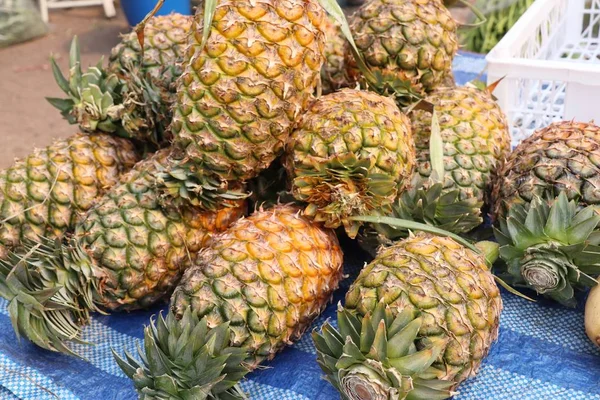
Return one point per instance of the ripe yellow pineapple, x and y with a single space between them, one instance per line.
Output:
243 89
262 283
126 253
45 193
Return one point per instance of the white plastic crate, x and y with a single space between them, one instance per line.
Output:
551 63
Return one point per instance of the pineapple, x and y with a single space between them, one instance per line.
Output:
548 190
126 253
408 45
243 89
559 158
333 73
452 289
351 154
46 193
473 140
131 97
268 276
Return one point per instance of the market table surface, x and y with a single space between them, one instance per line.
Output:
542 352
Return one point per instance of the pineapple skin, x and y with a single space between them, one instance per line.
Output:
413 40
165 41
475 135
333 73
270 275
239 96
349 123
47 192
138 248
449 284
562 157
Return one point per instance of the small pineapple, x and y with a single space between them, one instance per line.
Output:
243 89
126 253
165 41
132 97
350 154
268 277
47 192
408 44
449 285
545 202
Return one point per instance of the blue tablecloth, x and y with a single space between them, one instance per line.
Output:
542 352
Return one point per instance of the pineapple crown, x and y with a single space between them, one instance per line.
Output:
128 105
552 249
341 188
185 359
183 183
376 357
49 288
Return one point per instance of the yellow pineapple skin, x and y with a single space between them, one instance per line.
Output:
47 192
240 95
137 246
269 275
449 284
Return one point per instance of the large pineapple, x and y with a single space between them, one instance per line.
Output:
408 44
351 153
133 95
451 287
242 90
126 253
46 193
267 277
545 201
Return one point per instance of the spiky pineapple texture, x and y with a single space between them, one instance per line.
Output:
165 41
127 252
241 93
449 284
559 158
475 139
376 357
413 41
351 153
333 74
45 193
270 275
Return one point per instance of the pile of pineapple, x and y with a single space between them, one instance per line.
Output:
222 155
